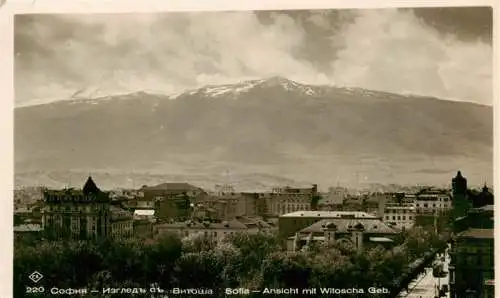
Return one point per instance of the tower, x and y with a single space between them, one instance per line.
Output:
460 201
459 185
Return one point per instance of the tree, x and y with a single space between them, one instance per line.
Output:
198 242
160 259
199 270
314 202
286 270
228 255
242 260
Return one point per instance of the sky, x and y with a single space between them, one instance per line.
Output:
441 52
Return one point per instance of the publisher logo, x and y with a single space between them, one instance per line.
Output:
35 276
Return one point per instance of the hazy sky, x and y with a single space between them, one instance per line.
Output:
444 52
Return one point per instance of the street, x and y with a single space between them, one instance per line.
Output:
425 285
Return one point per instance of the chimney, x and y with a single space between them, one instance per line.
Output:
357 236
296 242
315 189
329 232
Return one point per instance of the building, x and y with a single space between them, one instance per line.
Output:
256 223
472 264
218 230
352 203
172 200
21 214
333 199
31 231
362 233
400 216
145 214
373 202
143 229
223 189
122 224
83 214
291 223
479 218
432 201
288 199
484 198
226 206
169 190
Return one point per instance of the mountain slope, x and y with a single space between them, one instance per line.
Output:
270 123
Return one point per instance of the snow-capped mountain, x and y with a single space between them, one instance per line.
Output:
274 126
244 87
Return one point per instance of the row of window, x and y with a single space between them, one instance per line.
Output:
399 217
430 211
74 208
288 209
426 205
475 249
121 228
475 260
400 211
206 233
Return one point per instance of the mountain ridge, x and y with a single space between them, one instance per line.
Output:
273 126
247 84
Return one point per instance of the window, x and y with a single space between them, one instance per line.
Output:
425 205
387 217
404 217
393 217
399 217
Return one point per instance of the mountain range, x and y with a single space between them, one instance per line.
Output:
262 128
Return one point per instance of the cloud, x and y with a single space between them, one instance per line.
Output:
386 49
395 51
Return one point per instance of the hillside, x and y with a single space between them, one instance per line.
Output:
274 126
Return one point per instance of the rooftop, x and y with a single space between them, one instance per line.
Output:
195 225
487 208
375 226
28 228
119 213
477 233
380 239
172 186
22 210
144 212
397 207
90 187
329 214
254 222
